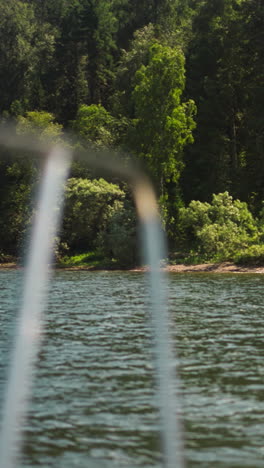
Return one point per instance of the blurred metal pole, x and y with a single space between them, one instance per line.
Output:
37 274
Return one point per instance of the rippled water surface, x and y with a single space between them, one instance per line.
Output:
94 402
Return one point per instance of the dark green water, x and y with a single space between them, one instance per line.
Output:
94 402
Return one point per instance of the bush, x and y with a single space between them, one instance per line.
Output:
218 230
88 207
253 255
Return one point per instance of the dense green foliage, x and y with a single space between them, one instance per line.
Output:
219 230
88 207
178 84
163 125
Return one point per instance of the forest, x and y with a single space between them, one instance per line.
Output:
176 85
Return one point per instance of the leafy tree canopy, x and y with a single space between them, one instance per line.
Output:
96 125
41 124
88 206
163 124
218 229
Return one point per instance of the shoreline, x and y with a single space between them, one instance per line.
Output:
223 267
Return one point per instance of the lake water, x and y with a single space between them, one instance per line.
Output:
94 402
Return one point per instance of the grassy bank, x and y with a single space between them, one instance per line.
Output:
249 259
88 260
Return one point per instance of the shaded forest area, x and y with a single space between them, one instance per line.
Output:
176 84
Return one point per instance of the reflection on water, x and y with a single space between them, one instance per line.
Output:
94 403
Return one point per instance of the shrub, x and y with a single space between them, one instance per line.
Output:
88 207
218 230
253 255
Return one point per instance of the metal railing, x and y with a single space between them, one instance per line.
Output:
57 161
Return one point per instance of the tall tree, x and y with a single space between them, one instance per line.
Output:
252 135
49 11
25 46
219 80
18 175
130 61
85 54
163 124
